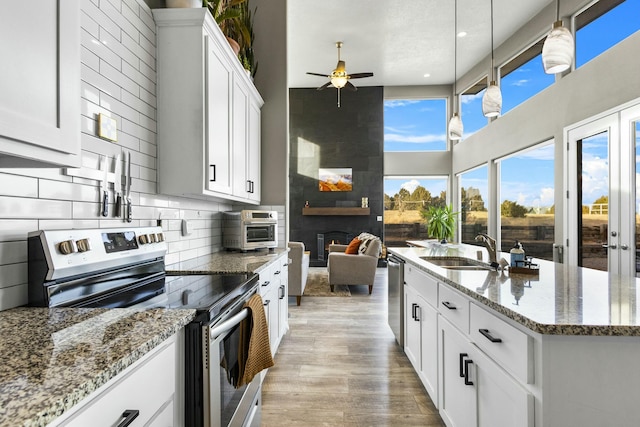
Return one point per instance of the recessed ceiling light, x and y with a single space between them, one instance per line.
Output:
462 33
427 75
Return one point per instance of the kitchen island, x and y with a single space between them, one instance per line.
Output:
54 358
555 347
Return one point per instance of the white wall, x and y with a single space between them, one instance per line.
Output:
119 79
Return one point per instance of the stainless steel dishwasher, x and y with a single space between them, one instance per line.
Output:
395 300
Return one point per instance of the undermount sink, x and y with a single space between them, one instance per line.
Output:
457 263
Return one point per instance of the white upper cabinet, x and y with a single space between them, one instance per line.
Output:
204 102
40 83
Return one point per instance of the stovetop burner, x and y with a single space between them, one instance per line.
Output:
209 295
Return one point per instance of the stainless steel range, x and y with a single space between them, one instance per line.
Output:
124 267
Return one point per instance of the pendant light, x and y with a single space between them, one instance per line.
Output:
558 47
455 124
492 98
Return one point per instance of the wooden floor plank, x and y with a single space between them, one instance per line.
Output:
339 366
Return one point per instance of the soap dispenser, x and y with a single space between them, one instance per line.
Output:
517 255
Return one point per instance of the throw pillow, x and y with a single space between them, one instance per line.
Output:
353 247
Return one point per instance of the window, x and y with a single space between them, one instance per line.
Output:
471 111
415 125
603 25
405 198
523 77
527 200
474 195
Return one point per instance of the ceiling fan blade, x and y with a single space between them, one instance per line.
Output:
360 75
349 86
324 86
318 74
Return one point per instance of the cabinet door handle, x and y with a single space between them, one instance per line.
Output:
417 318
213 173
462 356
129 415
449 305
466 372
413 310
282 289
248 186
487 335
266 283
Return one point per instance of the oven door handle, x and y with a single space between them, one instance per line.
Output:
228 324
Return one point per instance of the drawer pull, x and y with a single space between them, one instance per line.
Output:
413 310
417 318
277 272
266 302
462 356
129 415
449 305
487 335
266 283
466 372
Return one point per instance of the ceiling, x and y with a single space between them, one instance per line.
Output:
398 40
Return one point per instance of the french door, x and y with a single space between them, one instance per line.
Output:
602 205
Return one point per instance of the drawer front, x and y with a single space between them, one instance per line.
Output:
266 281
147 388
510 347
454 307
424 284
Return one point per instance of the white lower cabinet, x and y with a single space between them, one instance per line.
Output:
274 292
421 340
474 390
146 392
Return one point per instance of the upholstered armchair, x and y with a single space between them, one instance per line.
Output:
353 269
298 269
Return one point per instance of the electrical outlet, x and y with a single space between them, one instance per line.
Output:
379 218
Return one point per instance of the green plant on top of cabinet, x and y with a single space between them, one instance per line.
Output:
40 101
205 134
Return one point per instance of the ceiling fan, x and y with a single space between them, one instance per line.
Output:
339 77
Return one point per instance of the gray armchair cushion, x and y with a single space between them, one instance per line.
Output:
298 269
347 269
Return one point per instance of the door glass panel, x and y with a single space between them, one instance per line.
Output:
636 140
593 201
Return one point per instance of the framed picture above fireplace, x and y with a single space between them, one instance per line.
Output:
335 179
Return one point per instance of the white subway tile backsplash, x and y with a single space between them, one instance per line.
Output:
88 24
69 191
101 18
86 210
17 185
119 108
140 106
138 131
100 82
90 93
118 77
13 296
115 15
19 207
13 252
118 48
16 229
148 97
89 58
65 224
142 81
13 274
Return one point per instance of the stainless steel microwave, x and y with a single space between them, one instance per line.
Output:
249 229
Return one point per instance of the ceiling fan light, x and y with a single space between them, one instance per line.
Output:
492 100
557 50
455 127
339 81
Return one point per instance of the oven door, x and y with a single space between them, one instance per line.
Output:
260 233
228 405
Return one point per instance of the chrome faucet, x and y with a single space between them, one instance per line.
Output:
490 244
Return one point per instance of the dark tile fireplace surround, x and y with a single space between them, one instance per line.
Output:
324 136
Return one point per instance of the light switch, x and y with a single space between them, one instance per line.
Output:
379 218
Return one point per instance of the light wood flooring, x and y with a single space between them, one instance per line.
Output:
339 365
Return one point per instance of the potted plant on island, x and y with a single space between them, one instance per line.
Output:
441 222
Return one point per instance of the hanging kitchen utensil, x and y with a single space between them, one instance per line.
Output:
105 186
129 213
117 186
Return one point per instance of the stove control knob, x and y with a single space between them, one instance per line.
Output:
67 247
143 239
160 237
152 238
83 245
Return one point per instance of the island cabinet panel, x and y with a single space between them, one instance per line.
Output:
40 83
207 121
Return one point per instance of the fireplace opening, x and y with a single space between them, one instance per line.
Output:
331 237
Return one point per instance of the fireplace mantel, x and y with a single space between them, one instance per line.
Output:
342 211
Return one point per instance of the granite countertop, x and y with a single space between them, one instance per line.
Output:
53 358
227 262
560 300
